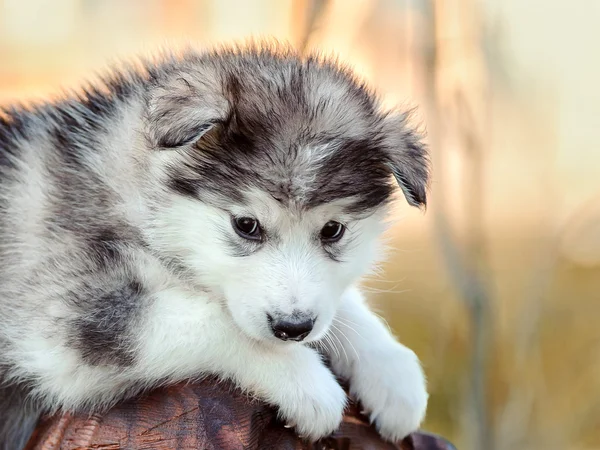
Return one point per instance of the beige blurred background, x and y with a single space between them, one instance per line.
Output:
497 286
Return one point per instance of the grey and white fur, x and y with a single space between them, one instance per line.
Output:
204 213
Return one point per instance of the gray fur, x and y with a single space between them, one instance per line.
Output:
18 417
82 181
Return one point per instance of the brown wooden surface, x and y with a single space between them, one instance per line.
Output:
207 415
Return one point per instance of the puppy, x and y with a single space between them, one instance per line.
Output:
207 213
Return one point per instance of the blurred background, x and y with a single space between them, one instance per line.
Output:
497 286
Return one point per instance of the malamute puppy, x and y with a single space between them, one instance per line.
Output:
209 213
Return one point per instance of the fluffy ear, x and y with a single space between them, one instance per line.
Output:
408 158
183 108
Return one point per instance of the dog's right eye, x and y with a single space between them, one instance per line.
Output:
247 228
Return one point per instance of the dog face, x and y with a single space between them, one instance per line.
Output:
278 172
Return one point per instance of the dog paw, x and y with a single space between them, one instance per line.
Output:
315 405
391 387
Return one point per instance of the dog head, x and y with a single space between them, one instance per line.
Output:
278 170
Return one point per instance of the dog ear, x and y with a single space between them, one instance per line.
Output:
183 108
408 158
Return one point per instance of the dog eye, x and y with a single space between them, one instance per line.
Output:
332 232
247 228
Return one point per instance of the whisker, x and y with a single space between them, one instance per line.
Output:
384 291
347 325
340 342
345 320
349 342
334 348
387 281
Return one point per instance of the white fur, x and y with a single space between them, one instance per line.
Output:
294 274
291 377
384 375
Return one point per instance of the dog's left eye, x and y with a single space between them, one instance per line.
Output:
332 232
248 228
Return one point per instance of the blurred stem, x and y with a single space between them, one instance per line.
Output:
314 13
467 264
478 299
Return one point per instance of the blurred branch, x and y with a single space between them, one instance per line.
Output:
316 8
470 272
466 264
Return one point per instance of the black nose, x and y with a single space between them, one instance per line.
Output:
289 330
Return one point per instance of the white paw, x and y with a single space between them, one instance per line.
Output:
391 387
314 405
